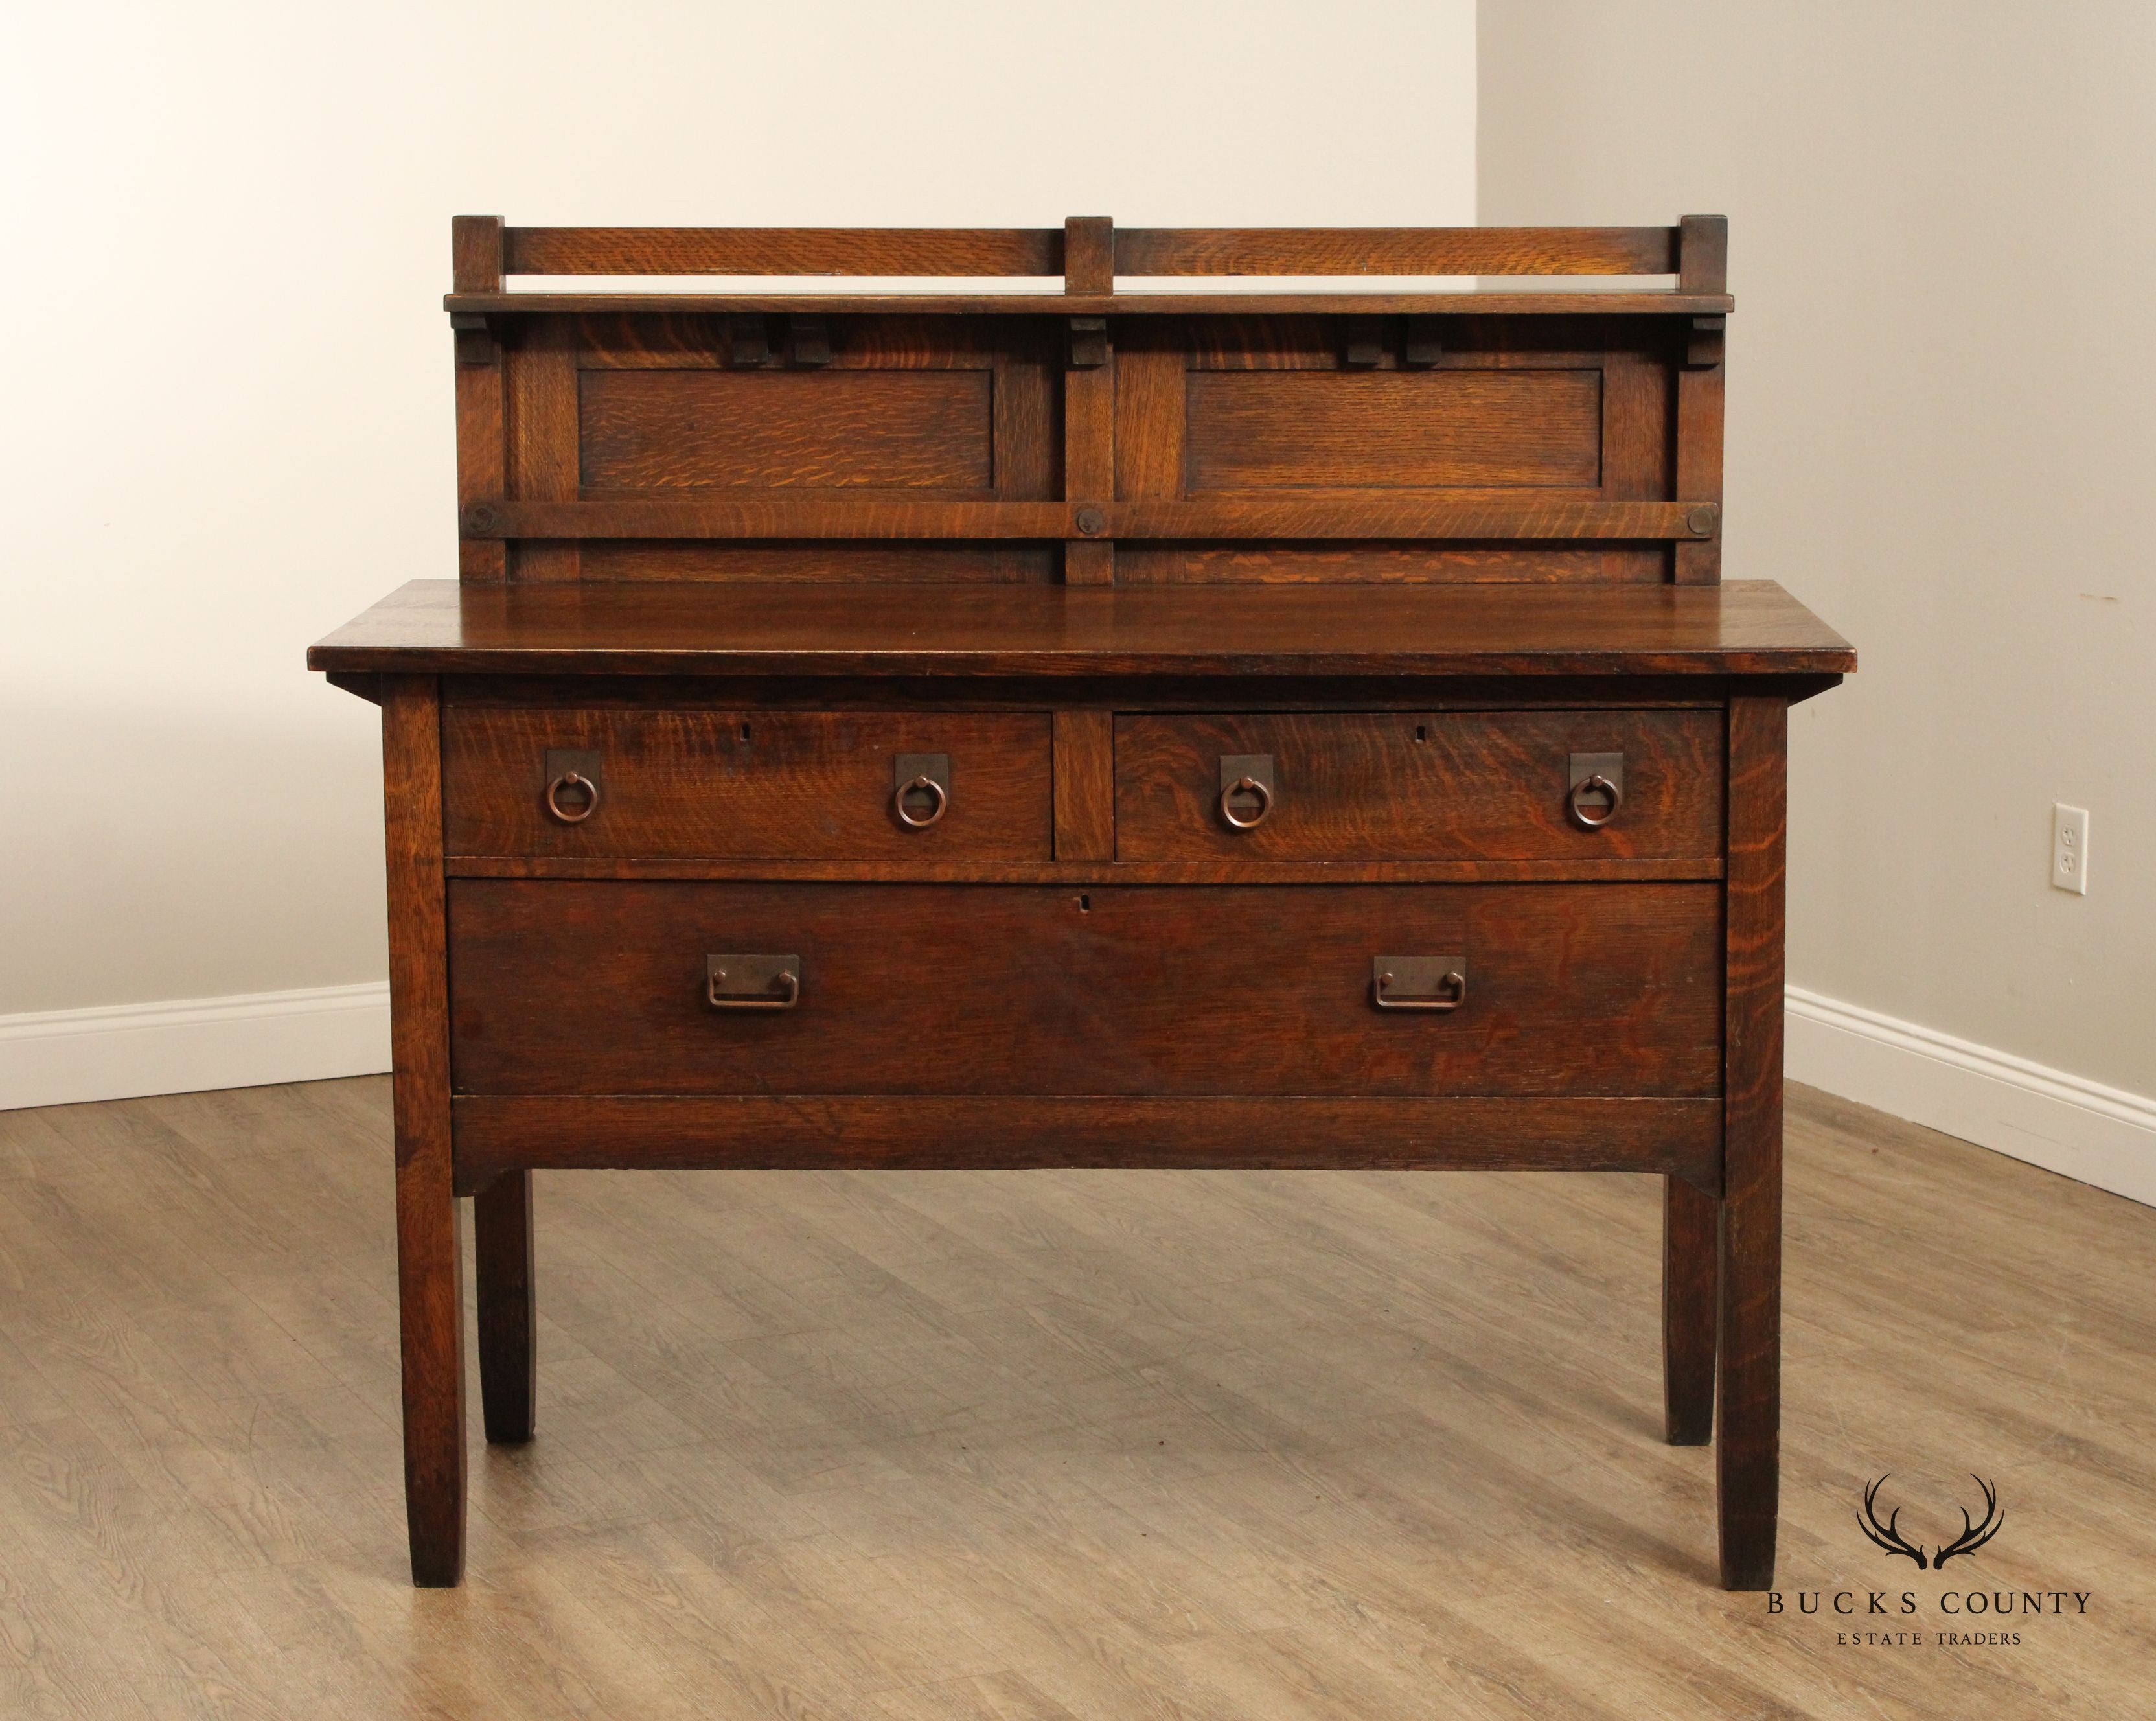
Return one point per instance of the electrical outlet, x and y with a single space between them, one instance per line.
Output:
2070 849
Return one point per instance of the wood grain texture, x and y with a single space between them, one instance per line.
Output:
1149 410
1089 410
749 784
502 1252
784 250
1085 785
1088 563
541 391
761 429
1699 469
1089 254
555 1131
1358 303
1740 627
478 253
667 340
1691 1217
1259 431
858 562
482 428
596 987
983 1447
429 1260
1592 870
1152 693
1638 399
1147 564
1703 260
1363 514
1027 372
1748 1387
1396 250
1401 786
1703 253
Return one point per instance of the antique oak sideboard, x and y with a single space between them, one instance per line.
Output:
1066 726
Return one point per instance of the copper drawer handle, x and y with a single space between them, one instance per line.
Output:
1597 784
922 782
572 779
1454 993
1246 785
787 979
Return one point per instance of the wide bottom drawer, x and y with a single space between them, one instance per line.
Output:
607 988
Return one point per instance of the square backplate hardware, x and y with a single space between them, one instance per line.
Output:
744 982
589 766
1419 982
1250 807
924 806
1609 767
565 802
1582 765
906 767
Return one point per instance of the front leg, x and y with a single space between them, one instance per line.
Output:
429 1260
431 1303
1749 1406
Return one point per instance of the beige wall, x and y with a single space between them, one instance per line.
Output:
229 378
1942 436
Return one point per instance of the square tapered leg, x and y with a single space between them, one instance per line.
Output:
429 1260
430 1293
1748 1393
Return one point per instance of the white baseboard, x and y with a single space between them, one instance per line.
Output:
64 1057
2080 1128
2098 1135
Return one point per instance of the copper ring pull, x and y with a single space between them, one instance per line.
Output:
1246 785
572 779
1590 785
789 982
1455 994
923 781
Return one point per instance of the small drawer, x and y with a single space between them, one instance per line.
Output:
752 785
1557 785
615 987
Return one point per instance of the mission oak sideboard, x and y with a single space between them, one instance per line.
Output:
1069 726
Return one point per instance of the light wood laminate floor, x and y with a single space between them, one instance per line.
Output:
927 1447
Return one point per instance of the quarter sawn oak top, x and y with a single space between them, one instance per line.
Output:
1739 628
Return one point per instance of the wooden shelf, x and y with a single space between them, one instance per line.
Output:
1376 302
433 627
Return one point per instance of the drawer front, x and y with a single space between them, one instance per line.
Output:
1403 786
759 785
604 986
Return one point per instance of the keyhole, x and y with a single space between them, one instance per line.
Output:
1085 905
744 732
1422 732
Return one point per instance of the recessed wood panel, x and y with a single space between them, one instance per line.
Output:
1392 429
573 987
1376 564
764 562
707 430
